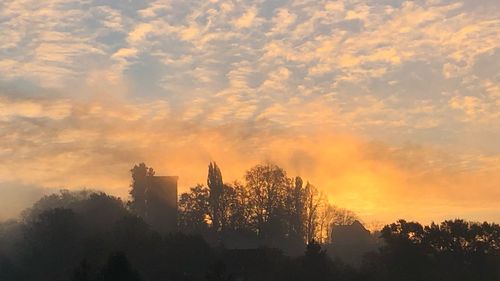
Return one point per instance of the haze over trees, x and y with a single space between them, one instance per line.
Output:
269 208
270 227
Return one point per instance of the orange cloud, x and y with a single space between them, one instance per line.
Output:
98 143
303 85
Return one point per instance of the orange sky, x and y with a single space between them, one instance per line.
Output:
392 108
379 181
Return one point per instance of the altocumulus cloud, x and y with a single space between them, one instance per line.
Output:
87 88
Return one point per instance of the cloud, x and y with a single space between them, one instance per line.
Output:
154 9
124 53
247 19
10 109
139 32
97 142
92 84
282 20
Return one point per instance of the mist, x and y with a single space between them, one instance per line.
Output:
249 140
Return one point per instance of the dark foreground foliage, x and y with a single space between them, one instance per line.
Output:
90 236
453 250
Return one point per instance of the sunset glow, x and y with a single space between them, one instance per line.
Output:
391 108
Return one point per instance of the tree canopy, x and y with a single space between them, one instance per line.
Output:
270 227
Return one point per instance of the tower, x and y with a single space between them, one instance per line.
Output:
161 203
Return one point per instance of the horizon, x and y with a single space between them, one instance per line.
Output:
391 108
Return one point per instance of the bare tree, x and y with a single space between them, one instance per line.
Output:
296 197
266 185
313 201
325 218
343 216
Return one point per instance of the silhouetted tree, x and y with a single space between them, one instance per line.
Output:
341 216
405 249
218 272
267 185
297 210
140 182
278 209
194 209
118 268
70 235
453 250
468 250
51 244
64 199
312 204
330 216
239 214
315 264
217 205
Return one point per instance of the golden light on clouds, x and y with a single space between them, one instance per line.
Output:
392 108
378 181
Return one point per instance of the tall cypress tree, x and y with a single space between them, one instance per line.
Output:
216 186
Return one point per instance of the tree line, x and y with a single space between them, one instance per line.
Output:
91 236
452 250
268 207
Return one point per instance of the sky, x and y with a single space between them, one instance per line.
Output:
391 108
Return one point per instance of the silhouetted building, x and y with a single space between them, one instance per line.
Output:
161 203
351 242
354 233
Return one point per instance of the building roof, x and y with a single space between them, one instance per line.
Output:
353 233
